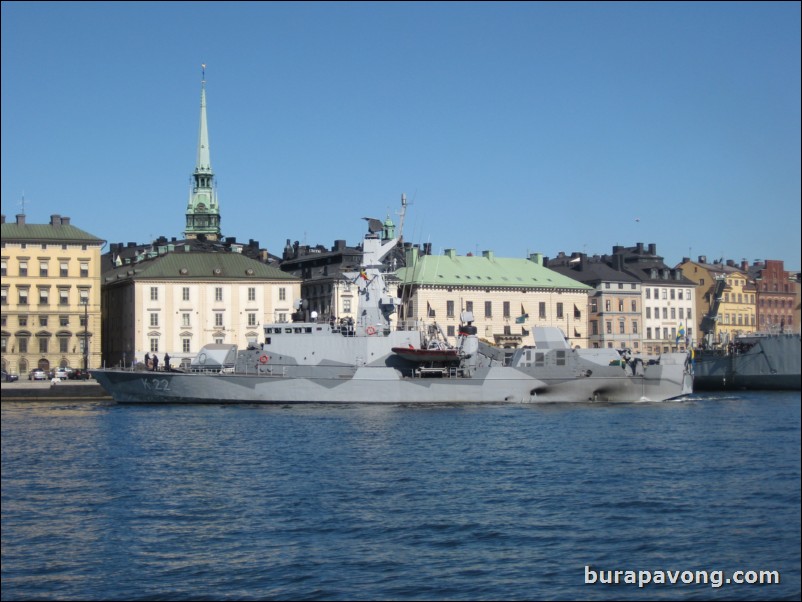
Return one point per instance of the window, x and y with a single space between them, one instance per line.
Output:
450 331
450 309
154 319
23 268
635 327
648 296
44 296
43 268
251 319
63 296
63 320
43 344
282 294
673 293
665 312
63 269
620 305
218 293
63 344
84 294
429 310
185 293
506 309
607 305
3 268
609 326
681 313
23 321
594 327
154 293
84 269
154 345
541 309
634 305
673 313
23 296
22 343
251 293
347 306
560 315
665 294
621 327
43 321
185 345
648 313
469 306
185 317
218 319
488 309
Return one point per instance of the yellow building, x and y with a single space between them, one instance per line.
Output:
730 312
50 296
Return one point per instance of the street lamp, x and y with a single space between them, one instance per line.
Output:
86 335
757 302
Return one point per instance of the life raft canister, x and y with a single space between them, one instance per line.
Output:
370 330
263 359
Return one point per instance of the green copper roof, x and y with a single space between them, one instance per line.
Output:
178 265
484 271
46 233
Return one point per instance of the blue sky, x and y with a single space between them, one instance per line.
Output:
519 127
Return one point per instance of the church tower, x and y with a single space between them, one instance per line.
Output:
203 212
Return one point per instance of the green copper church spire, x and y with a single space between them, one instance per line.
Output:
203 212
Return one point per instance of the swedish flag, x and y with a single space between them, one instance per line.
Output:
681 333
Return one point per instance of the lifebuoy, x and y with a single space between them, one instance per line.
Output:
370 330
263 359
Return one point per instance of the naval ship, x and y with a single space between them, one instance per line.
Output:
754 361
371 360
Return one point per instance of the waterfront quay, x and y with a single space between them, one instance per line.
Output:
85 390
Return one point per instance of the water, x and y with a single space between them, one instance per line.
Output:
108 502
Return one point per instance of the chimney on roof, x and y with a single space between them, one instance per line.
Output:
20 219
65 221
652 248
731 263
55 220
639 247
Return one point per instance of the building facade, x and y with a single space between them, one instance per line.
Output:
775 296
615 315
506 296
668 300
174 299
50 296
725 299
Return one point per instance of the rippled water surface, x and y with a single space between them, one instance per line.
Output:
366 502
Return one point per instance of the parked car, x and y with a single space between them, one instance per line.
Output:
9 378
37 374
78 374
61 373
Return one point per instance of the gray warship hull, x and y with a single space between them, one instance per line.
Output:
770 362
387 385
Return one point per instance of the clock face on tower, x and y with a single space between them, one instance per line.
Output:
200 208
